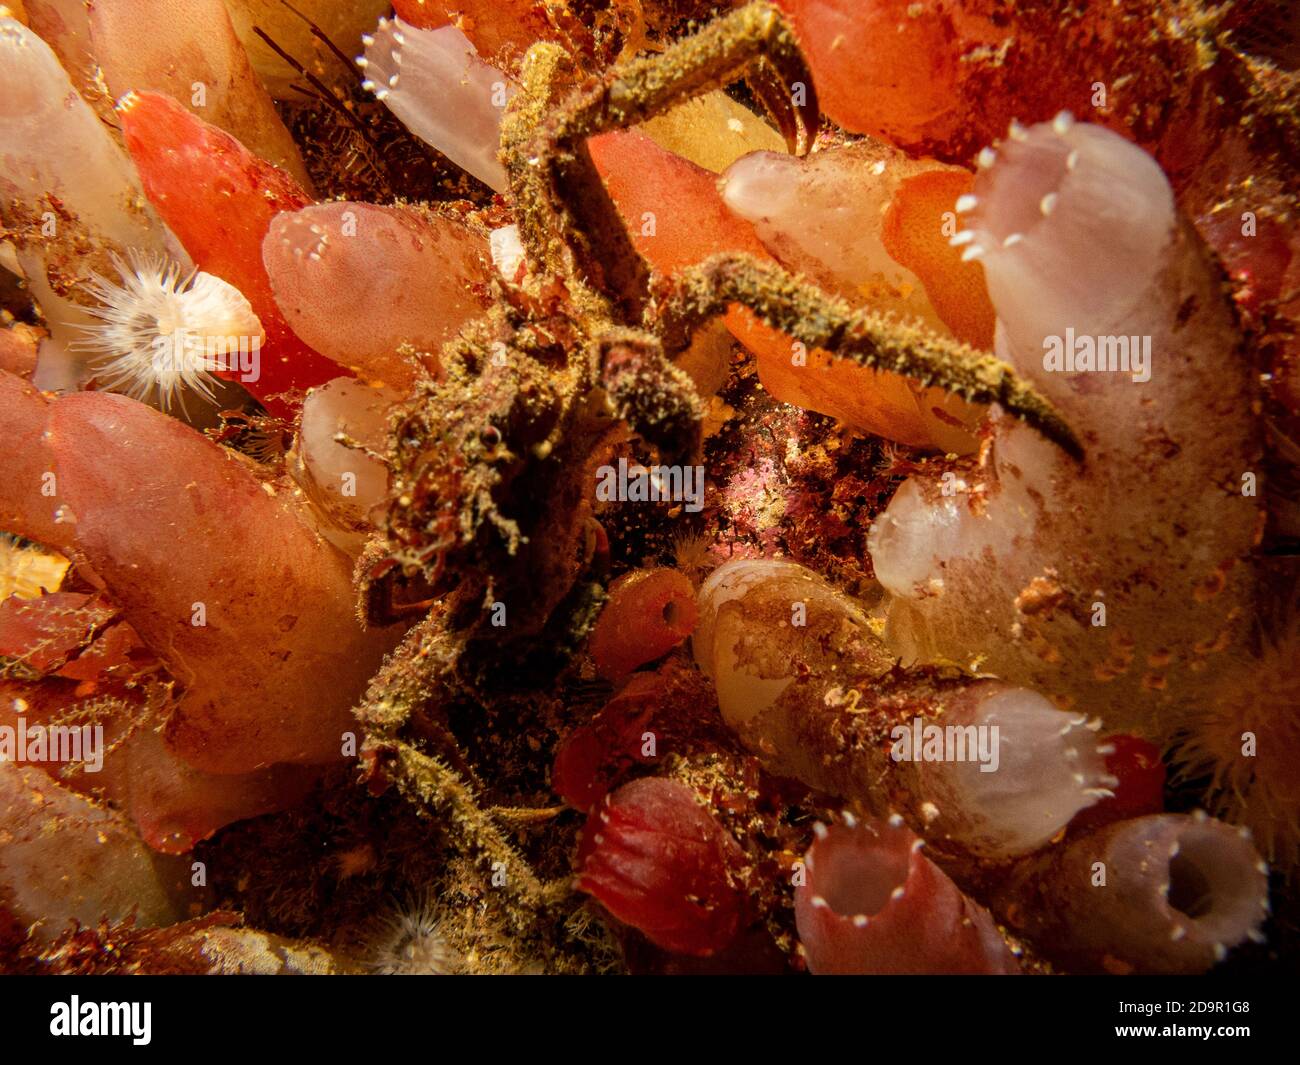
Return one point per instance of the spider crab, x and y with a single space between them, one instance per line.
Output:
493 465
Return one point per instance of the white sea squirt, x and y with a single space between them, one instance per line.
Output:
1165 893
69 195
1112 583
807 685
436 84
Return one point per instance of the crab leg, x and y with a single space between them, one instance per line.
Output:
421 671
754 41
554 181
806 313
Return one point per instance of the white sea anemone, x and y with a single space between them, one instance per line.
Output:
411 943
162 333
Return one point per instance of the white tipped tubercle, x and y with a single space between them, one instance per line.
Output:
1063 123
446 95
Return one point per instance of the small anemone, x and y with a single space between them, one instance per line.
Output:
411 943
161 333
1246 739
693 553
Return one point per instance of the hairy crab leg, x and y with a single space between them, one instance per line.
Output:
754 41
423 664
817 319
555 184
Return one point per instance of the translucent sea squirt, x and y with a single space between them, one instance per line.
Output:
1108 585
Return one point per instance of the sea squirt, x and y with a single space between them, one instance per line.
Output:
1060 575
807 685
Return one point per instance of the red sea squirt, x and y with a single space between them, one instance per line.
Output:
674 213
1136 764
660 862
649 613
219 199
593 755
945 79
886 68
500 30
271 674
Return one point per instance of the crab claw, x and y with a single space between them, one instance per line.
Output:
779 77
784 87
654 397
